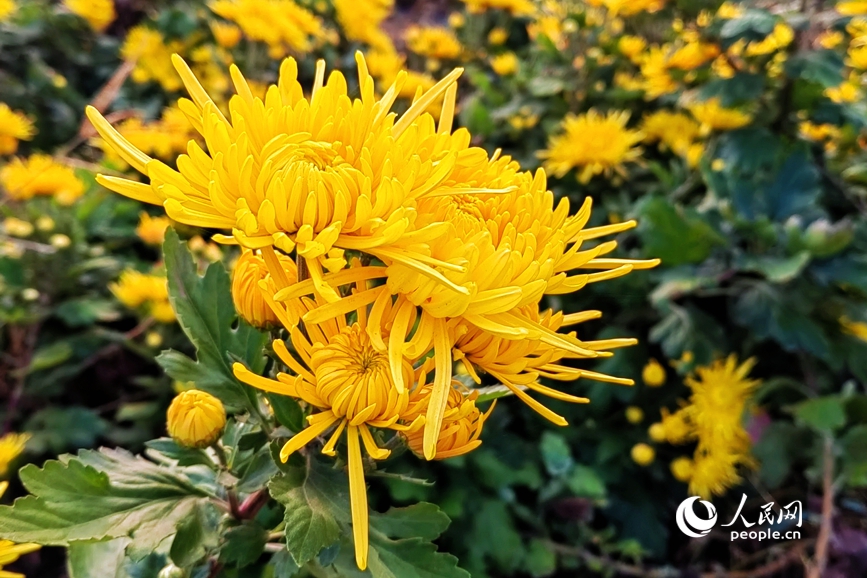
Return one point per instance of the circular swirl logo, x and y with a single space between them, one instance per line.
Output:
692 525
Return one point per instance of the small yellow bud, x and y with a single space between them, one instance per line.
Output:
718 165
196 418
653 374
45 223
642 454
681 469
60 241
153 339
456 20
656 432
634 414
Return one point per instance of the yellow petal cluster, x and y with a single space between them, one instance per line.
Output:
433 42
393 248
7 9
283 25
14 127
505 64
714 418
195 418
11 446
40 175
514 7
152 230
98 13
164 138
135 290
713 116
152 56
593 143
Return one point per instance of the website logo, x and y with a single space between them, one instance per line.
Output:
691 524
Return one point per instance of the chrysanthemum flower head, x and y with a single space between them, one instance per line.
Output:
98 13
713 116
152 230
251 302
462 422
340 372
14 127
594 143
40 175
282 24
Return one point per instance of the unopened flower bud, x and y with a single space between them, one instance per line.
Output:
196 418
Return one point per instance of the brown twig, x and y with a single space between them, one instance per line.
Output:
816 568
615 565
252 504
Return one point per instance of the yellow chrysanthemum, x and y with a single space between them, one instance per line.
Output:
692 55
779 38
152 56
349 380
852 7
830 39
250 302
631 46
10 551
505 64
634 414
847 91
713 116
675 130
195 418
40 175
14 127
594 143
162 311
714 417
134 288
433 42
152 230
655 72
818 132
632 7
719 394
281 24
98 13
729 11
7 9
463 238
11 446
226 34
361 20
514 7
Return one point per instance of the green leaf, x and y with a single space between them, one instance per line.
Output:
243 544
312 515
105 559
58 429
585 482
674 234
86 310
540 560
420 520
492 392
284 565
50 356
824 414
287 411
777 269
188 547
556 454
97 495
206 314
